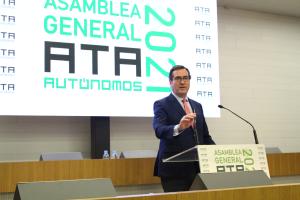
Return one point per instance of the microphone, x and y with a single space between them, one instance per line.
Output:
254 131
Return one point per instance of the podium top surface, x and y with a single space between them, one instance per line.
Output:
189 155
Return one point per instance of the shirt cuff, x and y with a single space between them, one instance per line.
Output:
176 130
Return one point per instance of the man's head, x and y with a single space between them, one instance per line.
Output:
179 78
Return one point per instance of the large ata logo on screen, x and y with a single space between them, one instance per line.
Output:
104 45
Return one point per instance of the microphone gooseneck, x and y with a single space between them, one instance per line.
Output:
254 131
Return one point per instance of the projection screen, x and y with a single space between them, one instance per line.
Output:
104 58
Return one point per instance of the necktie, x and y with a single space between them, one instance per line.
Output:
186 106
187 109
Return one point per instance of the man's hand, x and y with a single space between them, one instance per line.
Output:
187 121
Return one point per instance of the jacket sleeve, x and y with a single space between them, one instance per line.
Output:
161 125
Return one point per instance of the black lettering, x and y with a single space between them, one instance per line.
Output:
69 57
94 49
136 61
230 167
240 168
220 169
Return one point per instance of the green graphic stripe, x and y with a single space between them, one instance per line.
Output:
157 89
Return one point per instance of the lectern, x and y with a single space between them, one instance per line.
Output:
227 166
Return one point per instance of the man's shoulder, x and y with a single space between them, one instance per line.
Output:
195 102
165 99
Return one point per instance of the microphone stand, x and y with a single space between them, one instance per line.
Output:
195 129
254 131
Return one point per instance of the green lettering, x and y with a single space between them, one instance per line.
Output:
111 6
137 86
149 11
50 25
49 3
124 9
94 27
75 6
102 7
89 7
108 27
127 86
116 85
79 26
247 152
72 80
135 11
64 26
64 84
97 82
249 161
133 38
84 84
106 85
122 32
63 5
150 62
160 47
49 81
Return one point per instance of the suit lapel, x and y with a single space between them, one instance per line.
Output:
192 105
177 106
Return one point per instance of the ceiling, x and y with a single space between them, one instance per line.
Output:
281 7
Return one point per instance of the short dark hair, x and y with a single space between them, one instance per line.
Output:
177 67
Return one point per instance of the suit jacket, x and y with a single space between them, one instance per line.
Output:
167 114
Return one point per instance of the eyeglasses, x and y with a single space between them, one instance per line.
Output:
182 78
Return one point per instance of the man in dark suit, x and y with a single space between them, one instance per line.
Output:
176 127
